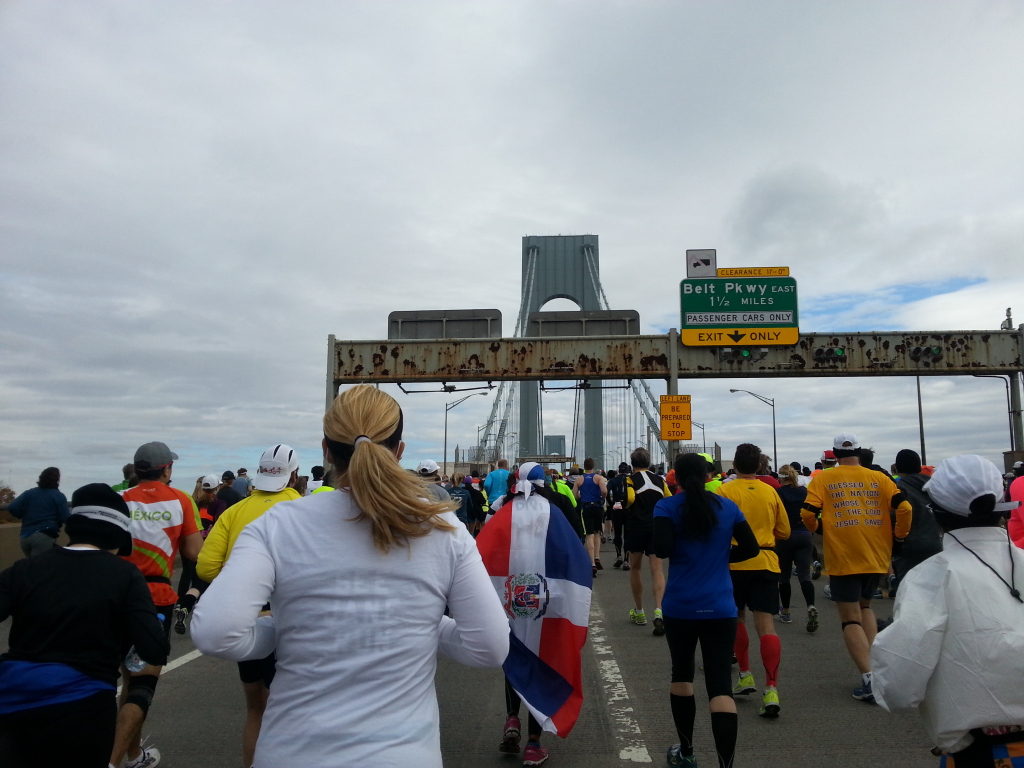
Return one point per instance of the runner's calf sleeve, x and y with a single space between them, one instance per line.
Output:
684 712
188 602
771 655
850 624
723 728
742 647
140 692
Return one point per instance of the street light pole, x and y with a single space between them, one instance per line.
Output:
703 437
770 401
1014 381
920 420
448 407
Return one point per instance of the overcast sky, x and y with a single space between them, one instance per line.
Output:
194 195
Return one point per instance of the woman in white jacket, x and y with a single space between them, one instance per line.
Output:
956 644
357 580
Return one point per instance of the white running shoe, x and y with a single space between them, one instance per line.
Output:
150 758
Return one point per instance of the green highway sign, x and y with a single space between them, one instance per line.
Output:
743 311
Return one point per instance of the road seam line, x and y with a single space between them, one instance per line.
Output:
632 748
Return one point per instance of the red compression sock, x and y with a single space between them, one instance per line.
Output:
742 647
771 654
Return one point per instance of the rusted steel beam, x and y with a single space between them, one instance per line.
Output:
646 357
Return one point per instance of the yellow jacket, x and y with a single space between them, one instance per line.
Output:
221 539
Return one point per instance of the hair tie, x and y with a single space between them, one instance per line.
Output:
361 439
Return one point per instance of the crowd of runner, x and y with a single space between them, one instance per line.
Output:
469 565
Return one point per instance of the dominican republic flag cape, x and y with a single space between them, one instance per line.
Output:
543 576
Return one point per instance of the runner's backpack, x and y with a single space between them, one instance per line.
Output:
462 496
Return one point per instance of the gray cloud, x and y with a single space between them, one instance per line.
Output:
193 196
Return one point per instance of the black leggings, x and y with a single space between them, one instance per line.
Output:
188 578
798 549
84 729
716 637
512 702
618 515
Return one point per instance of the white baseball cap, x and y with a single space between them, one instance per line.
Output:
838 442
427 467
960 480
276 467
210 482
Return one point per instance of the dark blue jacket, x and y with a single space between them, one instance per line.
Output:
40 509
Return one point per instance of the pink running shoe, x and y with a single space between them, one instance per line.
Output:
534 754
510 740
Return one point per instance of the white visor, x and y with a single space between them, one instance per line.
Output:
103 514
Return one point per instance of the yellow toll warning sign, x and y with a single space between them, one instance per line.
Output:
749 337
675 417
753 271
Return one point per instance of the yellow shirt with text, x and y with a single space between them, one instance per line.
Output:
856 525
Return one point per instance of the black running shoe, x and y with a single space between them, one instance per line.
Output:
659 623
180 615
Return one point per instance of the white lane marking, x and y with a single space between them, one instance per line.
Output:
181 660
627 731
171 665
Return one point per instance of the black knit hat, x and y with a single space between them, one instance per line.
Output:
100 516
908 462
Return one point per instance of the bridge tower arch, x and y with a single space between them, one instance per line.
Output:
559 267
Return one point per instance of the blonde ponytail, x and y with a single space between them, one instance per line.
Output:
396 503
787 476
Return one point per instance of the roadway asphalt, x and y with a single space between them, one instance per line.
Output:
196 718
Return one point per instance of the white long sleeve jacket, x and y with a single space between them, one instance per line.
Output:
356 632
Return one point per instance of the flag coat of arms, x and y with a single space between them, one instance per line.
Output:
542 574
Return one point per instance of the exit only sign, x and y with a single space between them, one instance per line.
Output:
675 417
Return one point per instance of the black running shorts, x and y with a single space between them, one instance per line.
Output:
593 517
638 541
258 670
854 587
756 590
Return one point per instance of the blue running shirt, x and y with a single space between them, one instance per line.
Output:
699 585
590 491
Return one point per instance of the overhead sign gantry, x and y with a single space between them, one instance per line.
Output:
902 353
738 322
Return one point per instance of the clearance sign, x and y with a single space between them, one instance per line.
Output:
675 417
739 311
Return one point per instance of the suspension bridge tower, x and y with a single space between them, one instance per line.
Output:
559 267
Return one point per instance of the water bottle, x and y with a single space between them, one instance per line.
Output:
133 662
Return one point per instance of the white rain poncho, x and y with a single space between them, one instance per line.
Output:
956 647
